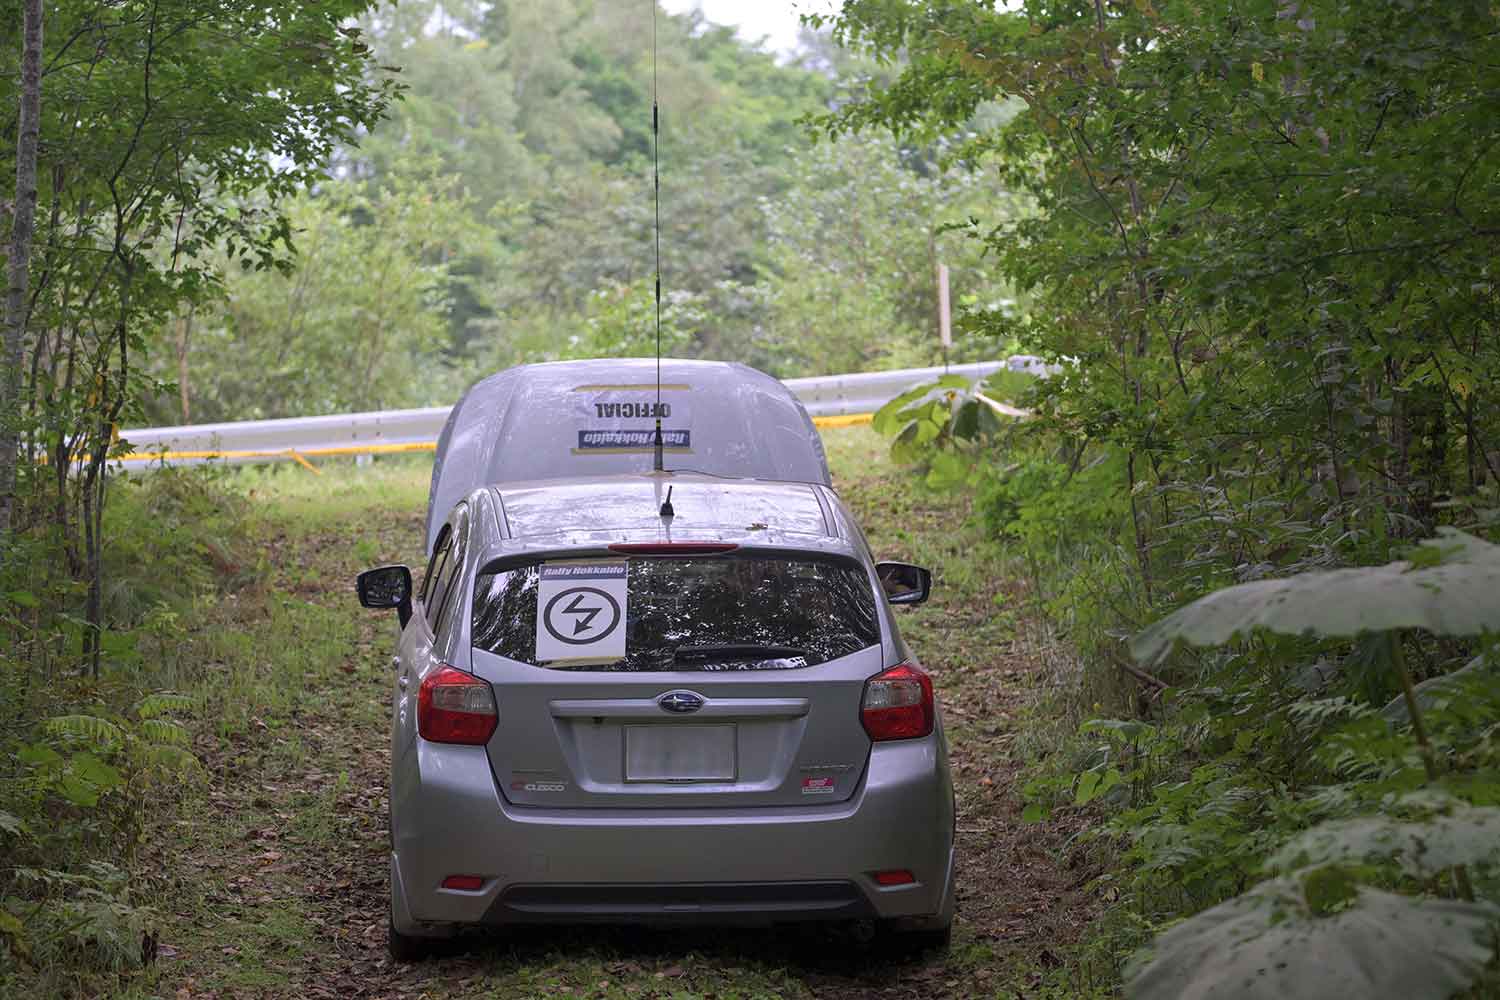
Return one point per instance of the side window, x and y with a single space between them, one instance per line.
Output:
435 567
455 567
451 569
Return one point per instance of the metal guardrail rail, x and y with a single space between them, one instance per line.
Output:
830 400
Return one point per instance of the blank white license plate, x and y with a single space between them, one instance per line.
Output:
679 753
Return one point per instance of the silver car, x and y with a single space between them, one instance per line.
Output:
651 697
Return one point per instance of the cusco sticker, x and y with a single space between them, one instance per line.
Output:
818 786
521 785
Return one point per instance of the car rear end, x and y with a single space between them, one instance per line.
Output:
762 750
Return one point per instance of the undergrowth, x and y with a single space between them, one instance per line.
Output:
89 761
1197 774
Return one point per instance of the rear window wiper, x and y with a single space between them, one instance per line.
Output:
736 651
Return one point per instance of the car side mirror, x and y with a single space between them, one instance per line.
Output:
386 587
904 583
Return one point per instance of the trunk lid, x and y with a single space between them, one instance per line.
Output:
570 739
709 681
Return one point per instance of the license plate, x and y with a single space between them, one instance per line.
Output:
679 753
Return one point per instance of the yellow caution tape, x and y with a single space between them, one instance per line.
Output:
844 420
305 464
300 455
353 449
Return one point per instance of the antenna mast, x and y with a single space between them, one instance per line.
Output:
656 205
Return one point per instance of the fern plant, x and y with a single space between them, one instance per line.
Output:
111 764
95 777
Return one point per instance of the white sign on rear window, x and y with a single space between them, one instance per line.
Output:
615 418
580 611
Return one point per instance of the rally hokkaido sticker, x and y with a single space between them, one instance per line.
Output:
818 786
580 611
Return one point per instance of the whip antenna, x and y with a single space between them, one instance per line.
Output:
656 205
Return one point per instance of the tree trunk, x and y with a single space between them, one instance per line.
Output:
184 333
22 225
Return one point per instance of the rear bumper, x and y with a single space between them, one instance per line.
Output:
730 866
681 902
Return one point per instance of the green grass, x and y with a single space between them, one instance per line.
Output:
271 878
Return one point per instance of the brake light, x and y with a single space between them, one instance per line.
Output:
673 548
455 707
897 704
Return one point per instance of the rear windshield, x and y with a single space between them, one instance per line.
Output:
701 613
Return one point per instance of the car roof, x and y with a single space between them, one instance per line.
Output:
583 419
597 512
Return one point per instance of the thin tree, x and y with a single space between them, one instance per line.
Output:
22 227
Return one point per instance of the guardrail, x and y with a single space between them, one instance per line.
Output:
830 400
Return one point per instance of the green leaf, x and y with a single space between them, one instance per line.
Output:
1092 784
10 923
1435 689
87 767
163 732
1460 595
120 645
12 927
161 702
966 420
894 415
904 449
1270 944
89 727
78 791
1469 836
947 470
1329 889
1034 813
39 755
1126 730
927 430
175 759
24 598
886 418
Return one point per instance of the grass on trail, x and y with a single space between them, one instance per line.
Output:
274 877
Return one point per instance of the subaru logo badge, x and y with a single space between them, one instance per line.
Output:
680 702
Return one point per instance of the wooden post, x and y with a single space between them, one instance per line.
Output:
945 320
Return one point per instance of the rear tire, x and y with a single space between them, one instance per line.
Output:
405 949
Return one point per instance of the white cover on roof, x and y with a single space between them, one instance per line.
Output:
570 419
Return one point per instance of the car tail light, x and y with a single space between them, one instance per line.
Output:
897 704
896 876
467 883
455 707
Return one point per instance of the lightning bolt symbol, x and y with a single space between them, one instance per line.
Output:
586 614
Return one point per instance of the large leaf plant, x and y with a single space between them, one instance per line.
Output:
939 422
1319 928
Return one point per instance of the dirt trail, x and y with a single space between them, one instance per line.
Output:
290 860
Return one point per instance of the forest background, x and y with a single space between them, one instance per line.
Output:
1255 238
503 214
